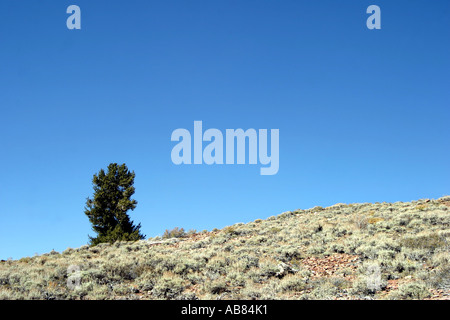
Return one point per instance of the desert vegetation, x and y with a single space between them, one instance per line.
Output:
345 251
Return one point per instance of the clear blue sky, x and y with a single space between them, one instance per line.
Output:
363 114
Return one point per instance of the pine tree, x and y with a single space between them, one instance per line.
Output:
107 211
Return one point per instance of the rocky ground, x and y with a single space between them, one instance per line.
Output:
346 251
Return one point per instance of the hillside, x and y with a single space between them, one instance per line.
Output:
346 251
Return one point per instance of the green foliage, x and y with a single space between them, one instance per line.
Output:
107 211
174 233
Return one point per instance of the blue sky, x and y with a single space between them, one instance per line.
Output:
363 114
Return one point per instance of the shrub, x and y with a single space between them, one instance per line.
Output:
268 267
236 278
411 291
169 286
292 283
251 291
191 232
439 278
146 282
216 286
374 220
231 231
218 264
360 222
430 242
421 207
323 289
174 233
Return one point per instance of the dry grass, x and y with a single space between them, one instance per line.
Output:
356 251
